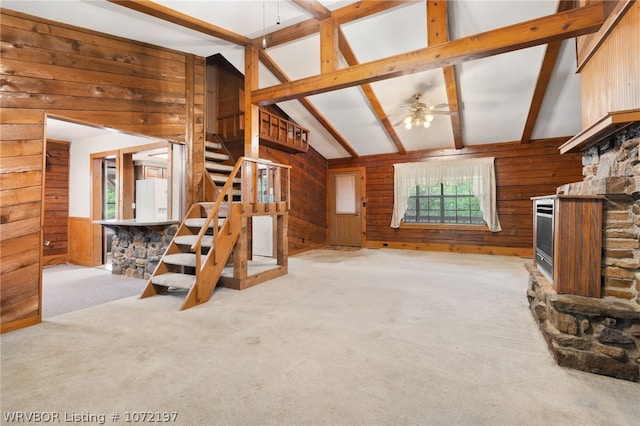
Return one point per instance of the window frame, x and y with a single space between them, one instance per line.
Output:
442 197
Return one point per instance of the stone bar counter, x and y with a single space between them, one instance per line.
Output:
137 246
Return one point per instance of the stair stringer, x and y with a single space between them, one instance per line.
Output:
214 262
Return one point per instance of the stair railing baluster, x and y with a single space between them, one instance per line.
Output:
277 194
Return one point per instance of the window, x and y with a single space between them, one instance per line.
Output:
110 207
448 204
446 191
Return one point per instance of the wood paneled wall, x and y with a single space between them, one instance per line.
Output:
308 214
522 171
21 168
52 68
610 80
56 202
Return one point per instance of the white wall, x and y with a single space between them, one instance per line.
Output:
80 170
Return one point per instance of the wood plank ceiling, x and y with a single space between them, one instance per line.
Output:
347 70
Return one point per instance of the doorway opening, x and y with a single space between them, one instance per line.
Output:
102 168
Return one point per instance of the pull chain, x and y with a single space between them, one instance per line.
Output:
264 38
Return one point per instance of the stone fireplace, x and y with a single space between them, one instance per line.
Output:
601 335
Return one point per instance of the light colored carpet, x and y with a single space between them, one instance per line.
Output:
370 337
67 288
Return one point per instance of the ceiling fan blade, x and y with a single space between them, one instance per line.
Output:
439 106
397 123
395 115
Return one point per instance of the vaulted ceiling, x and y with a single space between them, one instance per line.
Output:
513 83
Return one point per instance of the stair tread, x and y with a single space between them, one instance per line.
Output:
216 156
182 259
196 222
222 178
210 165
173 279
213 145
189 240
208 205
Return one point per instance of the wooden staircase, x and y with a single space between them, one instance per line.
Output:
219 164
212 229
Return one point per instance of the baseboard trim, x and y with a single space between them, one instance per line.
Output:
500 251
16 325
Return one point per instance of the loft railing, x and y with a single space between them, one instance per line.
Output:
286 134
275 131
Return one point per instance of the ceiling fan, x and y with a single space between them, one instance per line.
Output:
420 114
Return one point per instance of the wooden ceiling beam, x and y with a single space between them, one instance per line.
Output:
178 18
362 9
269 63
329 49
342 16
538 31
548 63
546 70
438 32
314 8
289 34
453 96
350 57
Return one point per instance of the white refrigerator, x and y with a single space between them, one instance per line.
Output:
151 200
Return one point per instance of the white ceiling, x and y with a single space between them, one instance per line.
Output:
495 92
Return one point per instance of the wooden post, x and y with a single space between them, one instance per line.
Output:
251 111
240 251
282 252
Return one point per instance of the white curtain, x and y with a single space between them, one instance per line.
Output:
478 172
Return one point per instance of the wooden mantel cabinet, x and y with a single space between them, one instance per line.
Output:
577 243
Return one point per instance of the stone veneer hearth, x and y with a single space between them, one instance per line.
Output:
601 335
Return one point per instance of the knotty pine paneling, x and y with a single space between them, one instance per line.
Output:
21 166
522 171
53 68
610 80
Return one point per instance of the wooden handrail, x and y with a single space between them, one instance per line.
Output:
227 190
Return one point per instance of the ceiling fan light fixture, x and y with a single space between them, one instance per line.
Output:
420 114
